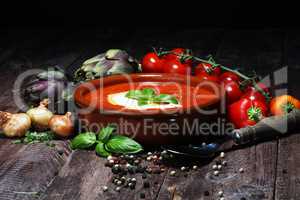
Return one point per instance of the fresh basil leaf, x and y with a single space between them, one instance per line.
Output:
105 134
165 98
134 94
123 145
173 101
83 141
143 102
149 92
100 150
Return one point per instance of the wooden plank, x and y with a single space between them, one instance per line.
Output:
96 174
288 173
251 50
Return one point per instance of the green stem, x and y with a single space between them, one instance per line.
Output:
214 64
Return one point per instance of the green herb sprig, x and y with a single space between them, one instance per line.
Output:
148 96
32 137
106 142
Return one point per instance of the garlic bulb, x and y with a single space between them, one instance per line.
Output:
14 125
40 115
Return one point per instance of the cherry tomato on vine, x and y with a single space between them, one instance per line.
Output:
252 93
205 76
204 67
175 66
176 56
232 91
246 112
229 76
152 63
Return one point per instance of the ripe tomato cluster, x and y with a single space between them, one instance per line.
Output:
174 62
244 106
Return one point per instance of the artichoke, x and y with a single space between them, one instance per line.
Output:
114 61
48 84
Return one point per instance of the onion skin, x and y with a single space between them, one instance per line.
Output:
62 125
15 125
40 116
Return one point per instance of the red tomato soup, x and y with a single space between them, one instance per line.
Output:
188 96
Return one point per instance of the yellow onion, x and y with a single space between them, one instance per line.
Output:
40 115
62 125
14 125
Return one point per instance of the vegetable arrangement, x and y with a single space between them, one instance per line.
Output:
247 100
106 143
37 118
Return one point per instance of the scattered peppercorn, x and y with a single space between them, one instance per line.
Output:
133 180
104 188
206 193
220 193
119 182
222 155
146 184
172 173
144 176
218 162
241 170
60 151
142 195
216 173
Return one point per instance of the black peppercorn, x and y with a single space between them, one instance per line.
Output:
116 169
140 169
146 184
131 185
142 195
132 169
206 193
144 176
60 151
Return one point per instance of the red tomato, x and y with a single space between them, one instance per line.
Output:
204 76
203 67
178 51
229 76
152 63
233 92
246 112
253 94
175 66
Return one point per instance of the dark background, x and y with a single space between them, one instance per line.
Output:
167 14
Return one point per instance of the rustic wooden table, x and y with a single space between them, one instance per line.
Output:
272 169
